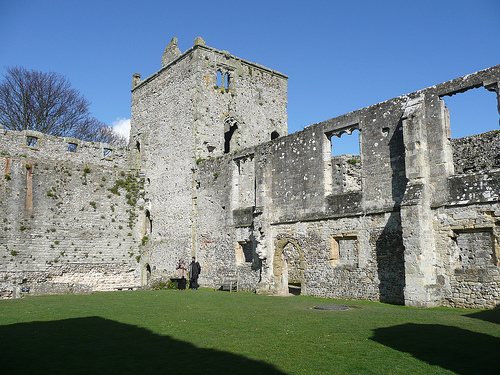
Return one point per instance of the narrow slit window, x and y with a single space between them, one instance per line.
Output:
219 79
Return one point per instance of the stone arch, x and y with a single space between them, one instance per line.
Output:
146 274
231 135
289 265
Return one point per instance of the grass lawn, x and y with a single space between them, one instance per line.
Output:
206 332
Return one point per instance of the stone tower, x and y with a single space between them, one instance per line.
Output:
202 103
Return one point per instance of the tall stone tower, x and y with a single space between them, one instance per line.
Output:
202 103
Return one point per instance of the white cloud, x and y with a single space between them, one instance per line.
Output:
122 126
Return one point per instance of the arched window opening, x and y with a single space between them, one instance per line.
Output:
229 138
342 161
147 274
274 135
219 79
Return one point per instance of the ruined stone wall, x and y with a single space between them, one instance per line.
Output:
346 174
211 172
355 232
477 153
467 238
60 211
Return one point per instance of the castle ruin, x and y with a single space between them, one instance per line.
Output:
211 172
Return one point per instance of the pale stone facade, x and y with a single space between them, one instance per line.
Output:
413 219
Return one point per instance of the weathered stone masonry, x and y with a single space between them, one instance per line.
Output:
64 226
413 219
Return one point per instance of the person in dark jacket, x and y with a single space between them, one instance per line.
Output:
194 272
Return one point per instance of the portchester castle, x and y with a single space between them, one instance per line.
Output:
210 171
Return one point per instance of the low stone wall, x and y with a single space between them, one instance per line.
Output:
69 278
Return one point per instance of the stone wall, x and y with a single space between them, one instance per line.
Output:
351 226
211 172
477 153
61 211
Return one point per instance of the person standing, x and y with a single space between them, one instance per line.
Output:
181 275
181 269
194 272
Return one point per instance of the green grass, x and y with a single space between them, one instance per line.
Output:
206 332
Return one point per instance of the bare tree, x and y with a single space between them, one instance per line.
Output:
46 102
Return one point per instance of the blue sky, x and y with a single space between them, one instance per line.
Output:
340 55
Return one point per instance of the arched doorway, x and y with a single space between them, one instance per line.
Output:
231 135
146 274
288 267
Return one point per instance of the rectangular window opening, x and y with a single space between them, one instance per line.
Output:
344 251
31 141
244 184
244 252
475 249
72 147
472 112
473 119
342 161
107 153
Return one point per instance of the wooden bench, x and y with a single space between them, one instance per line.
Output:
229 283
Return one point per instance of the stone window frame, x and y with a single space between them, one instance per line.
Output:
72 147
226 75
32 142
237 181
232 136
495 241
327 152
244 257
335 256
107 153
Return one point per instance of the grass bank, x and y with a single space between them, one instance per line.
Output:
210 332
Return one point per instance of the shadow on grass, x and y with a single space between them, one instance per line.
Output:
492 316
461 351
95 345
